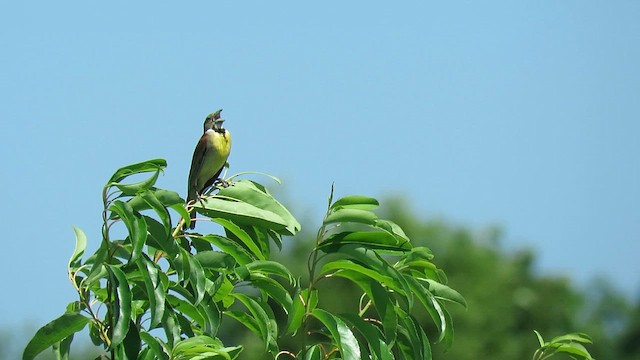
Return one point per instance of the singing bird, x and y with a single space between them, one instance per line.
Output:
209 158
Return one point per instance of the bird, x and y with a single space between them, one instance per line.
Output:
209 158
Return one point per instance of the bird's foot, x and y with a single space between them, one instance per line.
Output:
221 182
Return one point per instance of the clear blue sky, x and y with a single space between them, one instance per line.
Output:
524 114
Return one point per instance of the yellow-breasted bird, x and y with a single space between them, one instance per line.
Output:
209 158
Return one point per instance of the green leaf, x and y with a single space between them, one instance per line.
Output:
159 238
338 267
434 308
392 228
412 340
579 337
372 239
123 304
134 188
54 332
154 287
81 245
239 253
444 292
239 212
298 309
356 202
131 342
97 270
372 260
157 206
186 308
211 314
274 290
245 319
385 308
196 277
341 335
141 167
167 198
314 352
372 335
265 319
268 267
61 349
158 348
540 339
574 348
171 327
242 236
136 227
215 260
255 194
351 215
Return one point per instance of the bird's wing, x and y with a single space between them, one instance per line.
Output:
196 166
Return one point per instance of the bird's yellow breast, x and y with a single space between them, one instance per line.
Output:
218 149
220 143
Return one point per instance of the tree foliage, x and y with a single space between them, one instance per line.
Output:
159 292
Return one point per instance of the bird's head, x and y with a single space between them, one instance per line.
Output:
213 121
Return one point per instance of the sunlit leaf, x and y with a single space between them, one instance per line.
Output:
81 245
255 194
215 260
269 268
211 314
239 253
123 304
240 212
157 206
136 227
351 215
186 308
242 236
158 348
372 239
265 320
356 202
141 167
154 288
579 337
55 331
341 335
337 267
444 292
371 333
140 186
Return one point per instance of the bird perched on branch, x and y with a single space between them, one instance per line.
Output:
209 158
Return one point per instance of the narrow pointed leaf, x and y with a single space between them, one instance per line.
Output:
158 348
134 188
141 167
341 335
444 292
154 288
242 236
157 206
239 253
255 194
351 215
136 227
54 332
374 339
356 202
240 212
81 245
123 304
